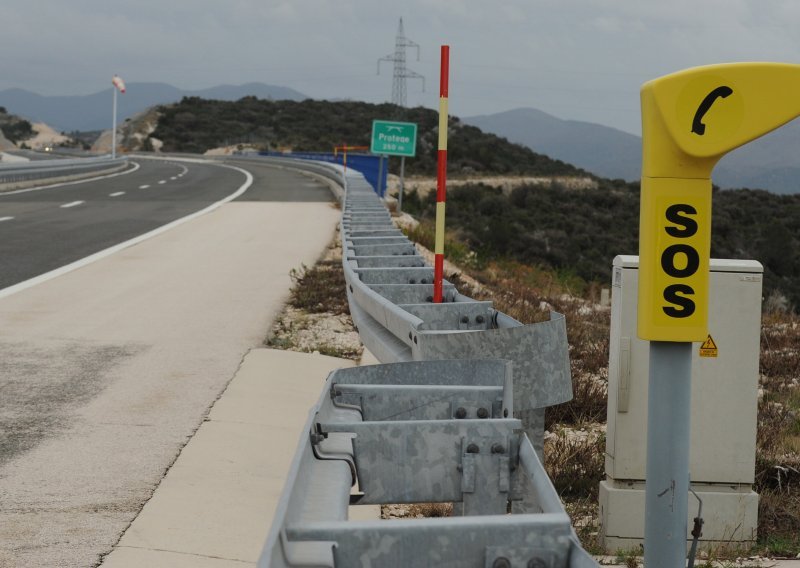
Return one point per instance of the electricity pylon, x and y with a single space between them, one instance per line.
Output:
401 72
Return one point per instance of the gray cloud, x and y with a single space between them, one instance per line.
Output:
576 59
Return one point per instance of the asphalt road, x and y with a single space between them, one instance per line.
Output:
44 229
107 371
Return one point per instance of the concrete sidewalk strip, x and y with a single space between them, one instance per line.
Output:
215 505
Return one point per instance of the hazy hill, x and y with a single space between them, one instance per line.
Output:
772 162
197 125
604 151
93 112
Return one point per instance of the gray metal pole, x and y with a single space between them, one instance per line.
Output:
114 126
402 175
668 427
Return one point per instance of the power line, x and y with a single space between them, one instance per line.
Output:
401 72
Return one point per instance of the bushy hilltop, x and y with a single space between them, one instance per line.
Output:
15 128
576 231
196 125
579 231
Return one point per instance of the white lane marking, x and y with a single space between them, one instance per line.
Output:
72 204
161 182
144 186
5 219
30 283
174 178
116 194
135 167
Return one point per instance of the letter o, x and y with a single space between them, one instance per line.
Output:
668 261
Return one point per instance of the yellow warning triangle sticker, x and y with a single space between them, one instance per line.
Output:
709 348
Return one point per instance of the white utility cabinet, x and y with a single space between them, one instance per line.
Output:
723 413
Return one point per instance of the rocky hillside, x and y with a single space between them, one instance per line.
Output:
14 128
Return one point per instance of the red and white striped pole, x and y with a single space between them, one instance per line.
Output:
441 177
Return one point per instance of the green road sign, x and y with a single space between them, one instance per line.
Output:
394 138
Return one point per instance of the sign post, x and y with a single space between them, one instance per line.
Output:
394 139
690 120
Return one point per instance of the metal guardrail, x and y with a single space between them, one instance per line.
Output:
13 173
441 424
390 432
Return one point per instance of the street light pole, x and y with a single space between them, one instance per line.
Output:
119 84
114 127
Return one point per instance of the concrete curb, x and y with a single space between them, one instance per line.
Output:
215 505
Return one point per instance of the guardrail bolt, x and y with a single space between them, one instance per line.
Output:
423 281
537 563
410 336
483 413
415 340
429 299
498 448
461 412
480 319
505 413
473 449
464 319
501 562
412 281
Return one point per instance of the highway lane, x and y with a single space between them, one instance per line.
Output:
107 371
48 228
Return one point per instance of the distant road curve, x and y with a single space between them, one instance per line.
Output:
49 231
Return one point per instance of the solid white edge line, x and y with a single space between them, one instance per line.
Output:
31 282
135 167
5 218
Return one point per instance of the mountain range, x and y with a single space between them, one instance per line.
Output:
93 111
771 162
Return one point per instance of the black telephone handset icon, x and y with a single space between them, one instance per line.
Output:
697 124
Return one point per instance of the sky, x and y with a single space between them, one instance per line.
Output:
579 60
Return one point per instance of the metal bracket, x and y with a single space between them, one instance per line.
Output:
316 437
485 475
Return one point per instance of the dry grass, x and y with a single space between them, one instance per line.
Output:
778 441
576 465
320 289
575 448
317 318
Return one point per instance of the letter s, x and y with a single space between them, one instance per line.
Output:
686 305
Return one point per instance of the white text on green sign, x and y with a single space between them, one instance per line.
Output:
394 138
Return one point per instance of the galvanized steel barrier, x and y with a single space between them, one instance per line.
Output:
13 174
456 414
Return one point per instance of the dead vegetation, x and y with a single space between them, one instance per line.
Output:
778 438
575 438
317 317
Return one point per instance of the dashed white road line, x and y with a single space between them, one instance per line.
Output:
161 182
143 186
5 219
116 194
173 178
72 204
13 289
